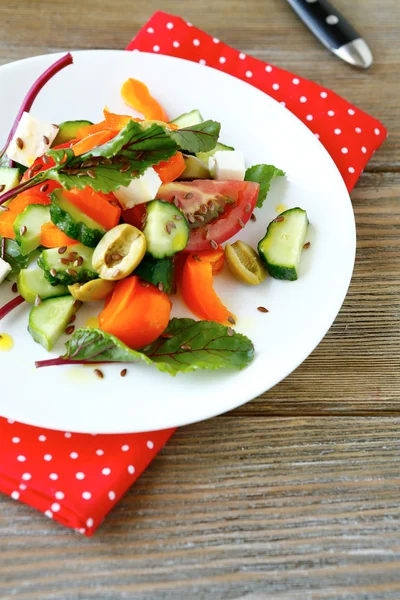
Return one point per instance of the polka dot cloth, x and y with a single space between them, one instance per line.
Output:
77 478
324 112
72 478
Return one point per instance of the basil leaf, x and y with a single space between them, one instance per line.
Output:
13 256
193 345
263 174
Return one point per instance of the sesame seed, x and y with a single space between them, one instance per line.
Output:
98 373
253 217
71 272
44 188
213 244
38 300
19 143
230 331
91 174
22 230
307 245
53 272
185 347
262 309
231 320
70 329
123 372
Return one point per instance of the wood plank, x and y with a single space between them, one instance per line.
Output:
232 508
268 30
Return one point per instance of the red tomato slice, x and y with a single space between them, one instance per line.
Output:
216 210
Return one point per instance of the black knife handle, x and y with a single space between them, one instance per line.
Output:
327 23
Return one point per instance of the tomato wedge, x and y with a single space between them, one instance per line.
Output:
216 210
198 292
137 313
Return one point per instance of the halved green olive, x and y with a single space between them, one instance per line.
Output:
119 252
92 291
244 263
194 169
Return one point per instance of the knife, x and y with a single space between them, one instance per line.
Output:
334 31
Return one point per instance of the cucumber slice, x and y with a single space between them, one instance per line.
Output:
9 178
204 156
68 131
28 224
47 322
166 229
72 266
188 119
194 169
32 283
158 271
283 243
73 222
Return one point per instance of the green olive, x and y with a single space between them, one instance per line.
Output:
119 252
92 291
194 169
244 263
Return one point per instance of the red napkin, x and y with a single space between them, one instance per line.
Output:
77 478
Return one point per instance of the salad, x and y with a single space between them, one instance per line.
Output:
131 212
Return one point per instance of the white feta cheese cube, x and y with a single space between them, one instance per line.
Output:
31 139
5 269
140 190
227 164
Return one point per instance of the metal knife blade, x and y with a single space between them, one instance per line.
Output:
334 31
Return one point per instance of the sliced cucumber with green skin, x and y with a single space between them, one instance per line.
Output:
194 169
166 229
283 243
9 178
158 271
204 156
73 222
32 283
28 225
48 321
188 119
68 131
72 266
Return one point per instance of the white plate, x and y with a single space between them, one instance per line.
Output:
301 312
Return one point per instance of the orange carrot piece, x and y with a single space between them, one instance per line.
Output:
136 94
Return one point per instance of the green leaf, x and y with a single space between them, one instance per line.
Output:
197 138
263 174
193 345
13 256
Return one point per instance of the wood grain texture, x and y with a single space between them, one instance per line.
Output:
285 508
295 495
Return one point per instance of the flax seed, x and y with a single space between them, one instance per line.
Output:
45 159
200 218
4 208
231 320
98 373
43 188
230 331
77 304
247 208
125 168
78 262
2 188
71 272
262 309
204 209
19 143
167 336
123 372
64 261
91 174
46 140
307 245
213 244
70 329
188 196
253 218
22 230
38 300
72 319
53 272
170 226
191 218
185 347
14 288
160 287
62 250
279 219
241 223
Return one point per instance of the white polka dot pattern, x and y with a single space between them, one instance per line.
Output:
83 475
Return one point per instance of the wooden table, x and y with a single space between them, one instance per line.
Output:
295 495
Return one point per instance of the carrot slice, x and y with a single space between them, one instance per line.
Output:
135 314
170 170
136 94
16 206
198 292
52 237
95 205
91 141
